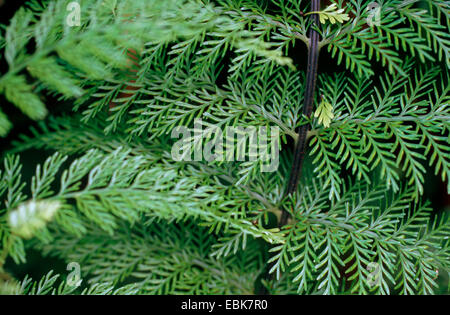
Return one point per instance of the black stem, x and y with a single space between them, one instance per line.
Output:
311 77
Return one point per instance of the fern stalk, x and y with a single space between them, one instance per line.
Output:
311 78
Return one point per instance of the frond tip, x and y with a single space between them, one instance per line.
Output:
331 13
32 216
324 113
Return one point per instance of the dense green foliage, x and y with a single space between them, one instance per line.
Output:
112 199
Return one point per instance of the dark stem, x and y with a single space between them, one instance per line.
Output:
311 76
